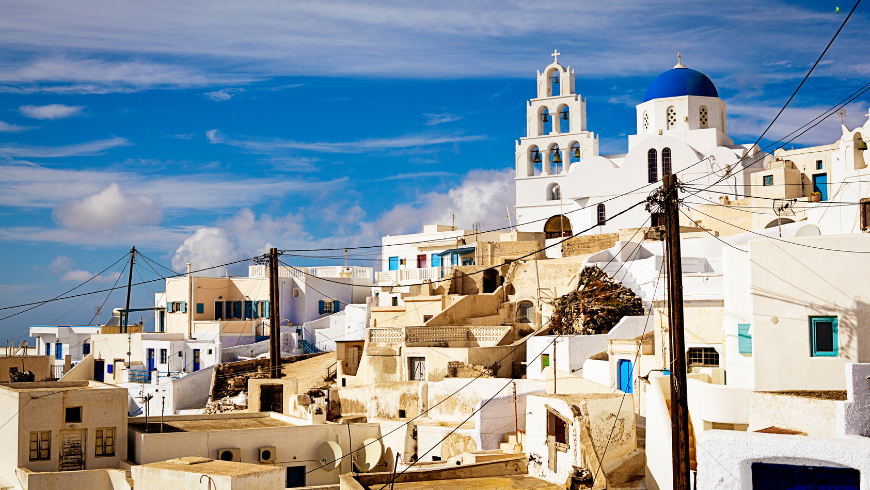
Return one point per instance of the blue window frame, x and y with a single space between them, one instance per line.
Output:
823 336
820 165
47 349
436 260
768 180
744 340
394 263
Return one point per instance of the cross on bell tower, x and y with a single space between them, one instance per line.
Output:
555 56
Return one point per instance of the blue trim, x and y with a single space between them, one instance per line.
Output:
814 321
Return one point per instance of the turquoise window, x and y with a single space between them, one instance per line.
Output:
394 263
436 260
200 308
823 336
744 340
768 180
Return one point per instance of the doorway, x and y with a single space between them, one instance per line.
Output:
417 368
490 280
99 370
820 185
72 445
272 398
624 380
150 357
196 360
775 476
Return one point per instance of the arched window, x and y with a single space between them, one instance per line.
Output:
575 152
554 193
666 161
645 122
602 215
672 117
652 165
547 121
556 160
703 117
557 226
536 160
564 121
554 84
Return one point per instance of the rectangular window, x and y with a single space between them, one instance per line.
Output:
820 165
73 415
703 356
200 308
395 301
105 444
328 307
394 263
744 340
545 360
86 349
421 261
164 355
436 260
865 213
823 333
218 310
40 445
768 180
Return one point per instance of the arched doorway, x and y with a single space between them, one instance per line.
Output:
558 226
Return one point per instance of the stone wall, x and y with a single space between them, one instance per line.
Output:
588 244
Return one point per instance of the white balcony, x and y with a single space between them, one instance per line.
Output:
411 276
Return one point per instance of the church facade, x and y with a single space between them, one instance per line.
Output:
564 186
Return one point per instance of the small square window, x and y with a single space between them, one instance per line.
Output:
545 360
823 336
820 165
73 415
40 445
768 180
395 301
401 414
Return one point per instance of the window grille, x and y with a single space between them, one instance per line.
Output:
652 166
672 117
703 117
703 356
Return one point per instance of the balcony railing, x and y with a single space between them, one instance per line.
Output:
490 335
326 272
404 276
137 376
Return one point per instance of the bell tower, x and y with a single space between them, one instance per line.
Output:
556 135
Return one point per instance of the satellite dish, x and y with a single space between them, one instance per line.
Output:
328 455
369 454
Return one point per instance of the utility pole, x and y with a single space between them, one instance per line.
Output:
125 318
679 404
274 317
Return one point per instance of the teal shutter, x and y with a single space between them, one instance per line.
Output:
322 305
200 308
436 260
744 340
267 313
256 309
336 306
169 307
184 307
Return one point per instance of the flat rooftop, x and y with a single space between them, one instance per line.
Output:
211 467
517 482
56 386
210 424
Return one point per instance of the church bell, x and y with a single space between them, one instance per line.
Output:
557 156
564 115
576 152
862 145
546 118
537 158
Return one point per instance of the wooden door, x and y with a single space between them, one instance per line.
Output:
72 450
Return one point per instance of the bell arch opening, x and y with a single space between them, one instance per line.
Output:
558 226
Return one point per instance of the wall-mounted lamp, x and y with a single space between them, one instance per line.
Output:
645 379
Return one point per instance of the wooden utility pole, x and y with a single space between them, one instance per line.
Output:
125 320
274 317
679 404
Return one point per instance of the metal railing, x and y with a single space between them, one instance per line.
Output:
137 376
307 348
57 371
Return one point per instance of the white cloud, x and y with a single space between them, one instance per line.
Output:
11 128
271 146
79 149
433 119
79 275
51 111
107 210
750 120
60 263
223 94
207 247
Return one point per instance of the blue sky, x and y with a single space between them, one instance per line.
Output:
207 131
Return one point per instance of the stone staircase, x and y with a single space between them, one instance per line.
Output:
510 441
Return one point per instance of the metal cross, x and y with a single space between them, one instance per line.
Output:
555 56
842 114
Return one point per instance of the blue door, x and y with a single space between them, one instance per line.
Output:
624 381
790 477
99 370
394 263
58 350
196 359
150 357
820 185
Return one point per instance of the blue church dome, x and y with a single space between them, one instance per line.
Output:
680 81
